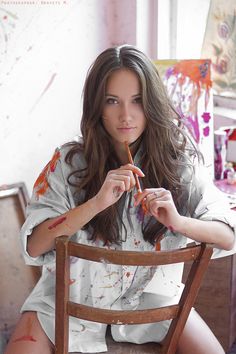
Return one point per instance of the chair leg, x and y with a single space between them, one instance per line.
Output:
62 296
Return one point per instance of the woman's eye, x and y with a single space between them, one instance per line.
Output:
138 100
111 100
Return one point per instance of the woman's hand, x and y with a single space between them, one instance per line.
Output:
116 183
159 203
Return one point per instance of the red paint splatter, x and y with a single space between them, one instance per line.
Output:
71 281
25 338
57 222
5 17
128 274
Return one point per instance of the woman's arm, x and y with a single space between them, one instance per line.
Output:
160 204
116 183
215 232
43 236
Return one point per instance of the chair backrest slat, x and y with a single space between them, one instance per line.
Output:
133 258
121 317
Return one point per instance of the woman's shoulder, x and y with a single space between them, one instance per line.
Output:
72 154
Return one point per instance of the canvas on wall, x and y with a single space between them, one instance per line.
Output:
219 45
188 83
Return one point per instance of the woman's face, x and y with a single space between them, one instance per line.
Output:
123 116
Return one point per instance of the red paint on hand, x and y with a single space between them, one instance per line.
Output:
57 222
171 228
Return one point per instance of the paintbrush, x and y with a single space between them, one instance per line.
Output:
137 183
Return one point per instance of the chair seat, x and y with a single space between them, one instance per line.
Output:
128 348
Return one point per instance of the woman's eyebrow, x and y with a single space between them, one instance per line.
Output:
111 95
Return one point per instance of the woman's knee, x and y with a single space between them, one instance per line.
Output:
29 337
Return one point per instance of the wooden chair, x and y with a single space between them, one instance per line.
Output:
198 254
16 278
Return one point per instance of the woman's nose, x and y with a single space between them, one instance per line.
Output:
125 112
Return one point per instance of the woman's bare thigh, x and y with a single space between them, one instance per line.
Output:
29 337
197 338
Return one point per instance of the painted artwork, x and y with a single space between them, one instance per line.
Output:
219 45
188 83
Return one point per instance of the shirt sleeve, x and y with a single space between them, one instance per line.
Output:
212 205
49 199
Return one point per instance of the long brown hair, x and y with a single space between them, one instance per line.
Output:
164 141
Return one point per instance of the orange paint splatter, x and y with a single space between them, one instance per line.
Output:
41 185
192 69
128 274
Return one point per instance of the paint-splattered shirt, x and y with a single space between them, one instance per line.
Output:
101 284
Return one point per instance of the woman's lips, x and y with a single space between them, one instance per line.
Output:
125 129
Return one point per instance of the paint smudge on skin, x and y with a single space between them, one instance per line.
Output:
27 337
57 222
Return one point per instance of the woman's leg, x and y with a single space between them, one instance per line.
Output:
197 338
29 337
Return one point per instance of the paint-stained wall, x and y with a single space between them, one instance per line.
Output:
46 48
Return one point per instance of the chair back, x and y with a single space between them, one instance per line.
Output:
199 255
16 278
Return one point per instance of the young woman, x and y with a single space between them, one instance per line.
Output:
87 191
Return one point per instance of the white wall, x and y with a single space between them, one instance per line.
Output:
45 53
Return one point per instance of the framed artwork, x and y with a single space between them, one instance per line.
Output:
188 83
219 45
